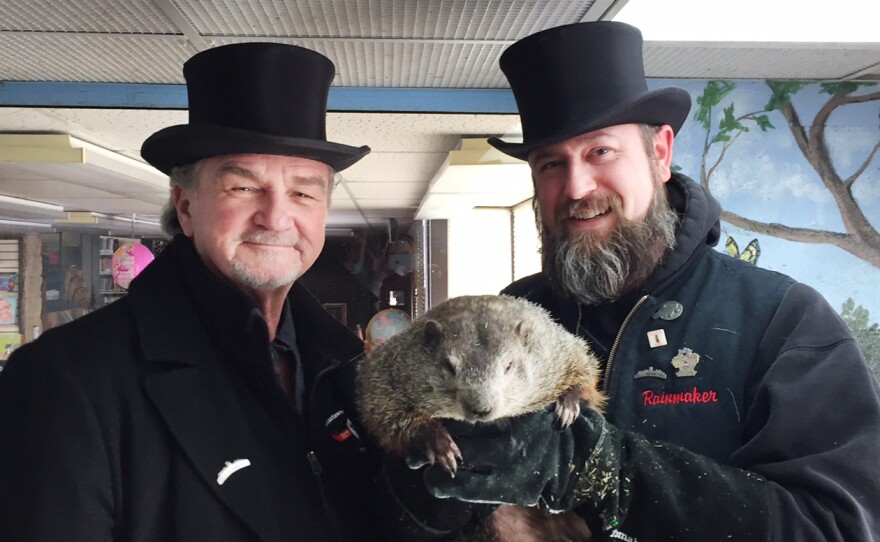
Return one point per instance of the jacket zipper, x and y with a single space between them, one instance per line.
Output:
607 380
312 457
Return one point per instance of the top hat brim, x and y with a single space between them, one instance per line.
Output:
663 106
188 143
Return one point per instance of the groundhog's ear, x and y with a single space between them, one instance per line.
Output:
433 334
522 331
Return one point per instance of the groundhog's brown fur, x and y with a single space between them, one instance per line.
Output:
477 359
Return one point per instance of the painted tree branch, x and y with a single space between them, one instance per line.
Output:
843 241
858 173
705 174
861 238
724 148
865 238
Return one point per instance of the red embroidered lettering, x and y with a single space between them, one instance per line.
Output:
650 398
342 435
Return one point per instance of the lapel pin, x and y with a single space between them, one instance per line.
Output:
685 362
670 310
230 468
657 338
650 372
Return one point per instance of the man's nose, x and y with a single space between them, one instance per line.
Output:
580 181
275 212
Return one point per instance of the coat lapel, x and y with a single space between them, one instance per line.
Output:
194 396
202 413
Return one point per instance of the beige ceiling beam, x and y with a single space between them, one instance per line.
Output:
39 148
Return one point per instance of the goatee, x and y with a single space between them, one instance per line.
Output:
596 269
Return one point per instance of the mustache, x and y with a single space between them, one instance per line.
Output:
272 238
592 205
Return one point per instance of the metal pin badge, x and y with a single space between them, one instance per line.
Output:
669 310
657 338
230 468
650 372
685 362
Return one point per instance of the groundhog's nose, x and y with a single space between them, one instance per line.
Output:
480 412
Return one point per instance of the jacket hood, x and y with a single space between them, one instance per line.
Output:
700 229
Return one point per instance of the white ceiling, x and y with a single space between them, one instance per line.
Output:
439 49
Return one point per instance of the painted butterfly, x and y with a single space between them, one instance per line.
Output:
749 254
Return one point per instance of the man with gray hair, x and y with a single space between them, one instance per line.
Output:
214 401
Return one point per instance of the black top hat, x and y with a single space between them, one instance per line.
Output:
253 98
581 77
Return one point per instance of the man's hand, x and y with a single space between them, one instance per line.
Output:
528 461
421 515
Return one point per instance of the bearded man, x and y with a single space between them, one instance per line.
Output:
740 406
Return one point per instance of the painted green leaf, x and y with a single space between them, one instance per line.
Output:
781 93
713 93
729 123
843 87
763 122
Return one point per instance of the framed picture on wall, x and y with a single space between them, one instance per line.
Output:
338 311
8 282
8 308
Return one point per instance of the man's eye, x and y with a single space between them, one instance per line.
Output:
242 189
551 164
601 151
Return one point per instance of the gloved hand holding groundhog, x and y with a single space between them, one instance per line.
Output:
528 461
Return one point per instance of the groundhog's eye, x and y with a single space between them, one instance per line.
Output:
449 367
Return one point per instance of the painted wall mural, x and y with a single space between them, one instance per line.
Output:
796 167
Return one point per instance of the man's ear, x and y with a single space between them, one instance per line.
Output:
182 202
663 142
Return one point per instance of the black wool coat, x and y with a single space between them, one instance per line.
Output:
140 422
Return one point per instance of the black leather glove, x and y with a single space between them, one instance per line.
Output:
528 461
418 514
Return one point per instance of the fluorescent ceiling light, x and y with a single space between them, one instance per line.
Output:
5 222
849 21
339 232
126 219
88 218
121 164
476 175
20 202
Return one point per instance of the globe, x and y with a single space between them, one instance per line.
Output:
386 324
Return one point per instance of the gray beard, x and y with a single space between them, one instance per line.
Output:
597 271
245 276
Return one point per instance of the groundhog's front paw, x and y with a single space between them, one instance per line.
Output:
568 407
435 442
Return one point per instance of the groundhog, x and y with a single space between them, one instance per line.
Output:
478 359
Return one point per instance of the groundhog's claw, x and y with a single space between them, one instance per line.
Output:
568 407
437 445
448 458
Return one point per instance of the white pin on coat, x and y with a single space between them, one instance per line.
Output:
230 468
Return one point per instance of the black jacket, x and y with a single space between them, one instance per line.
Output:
118 425
779 390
